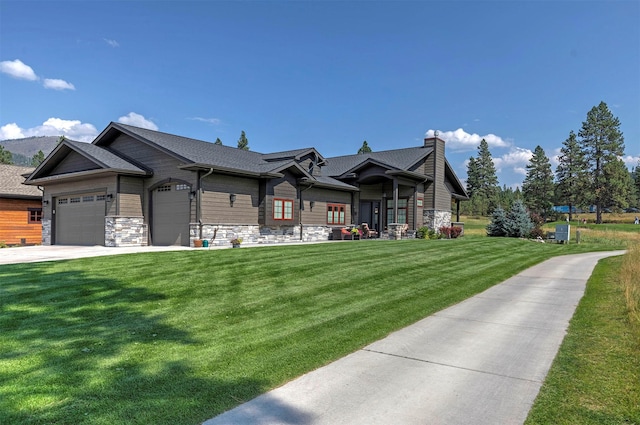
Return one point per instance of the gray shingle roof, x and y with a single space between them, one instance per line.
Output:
103 157
11 182
198 151
401 159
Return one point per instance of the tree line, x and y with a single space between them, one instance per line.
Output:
590 172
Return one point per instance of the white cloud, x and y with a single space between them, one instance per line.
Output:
460 140
72 129
55 84
214 121
11 131
17 69
516 160
111 43
137 120
631 161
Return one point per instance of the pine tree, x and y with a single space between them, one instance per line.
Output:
620 188
537 187
37 159
602 142
482 181
636 181
218 141
571 174
518 223
497 226
243 142
364 148
5 156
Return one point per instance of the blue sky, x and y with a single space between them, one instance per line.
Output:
325 74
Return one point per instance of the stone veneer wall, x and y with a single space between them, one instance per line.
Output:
125 231
435 219
46 231
254 234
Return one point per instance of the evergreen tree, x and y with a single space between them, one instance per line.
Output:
482 181
619 193
5 156
537 187
518 223
571 175
497 226
364 148
602 142
61 139
218 141
636 181
243 142
37 159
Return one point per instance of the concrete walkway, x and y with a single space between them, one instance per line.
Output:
479 362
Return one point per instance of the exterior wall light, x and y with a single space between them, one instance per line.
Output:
311 205
232 198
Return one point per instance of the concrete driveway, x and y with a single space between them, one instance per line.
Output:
33 254
479 362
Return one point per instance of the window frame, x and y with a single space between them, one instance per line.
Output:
283 202
34 216
404 208
331 209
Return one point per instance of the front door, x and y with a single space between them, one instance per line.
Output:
370 214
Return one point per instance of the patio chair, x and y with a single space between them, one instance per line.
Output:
368 232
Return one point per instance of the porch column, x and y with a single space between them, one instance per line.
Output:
395 200
415 207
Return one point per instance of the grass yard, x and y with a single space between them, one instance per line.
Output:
595 379
178 337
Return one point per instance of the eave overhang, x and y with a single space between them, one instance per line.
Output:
231 171
84 174
411 175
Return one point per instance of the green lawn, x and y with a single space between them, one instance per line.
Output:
178 337
595 379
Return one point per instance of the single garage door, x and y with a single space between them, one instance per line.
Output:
80 219
170 215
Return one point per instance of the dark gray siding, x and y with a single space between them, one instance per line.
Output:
322 197
74 162
216 205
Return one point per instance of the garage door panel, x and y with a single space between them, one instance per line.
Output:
80 219
171 210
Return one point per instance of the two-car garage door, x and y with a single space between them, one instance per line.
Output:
80 219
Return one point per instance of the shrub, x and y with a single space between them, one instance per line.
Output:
422 233
450 232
